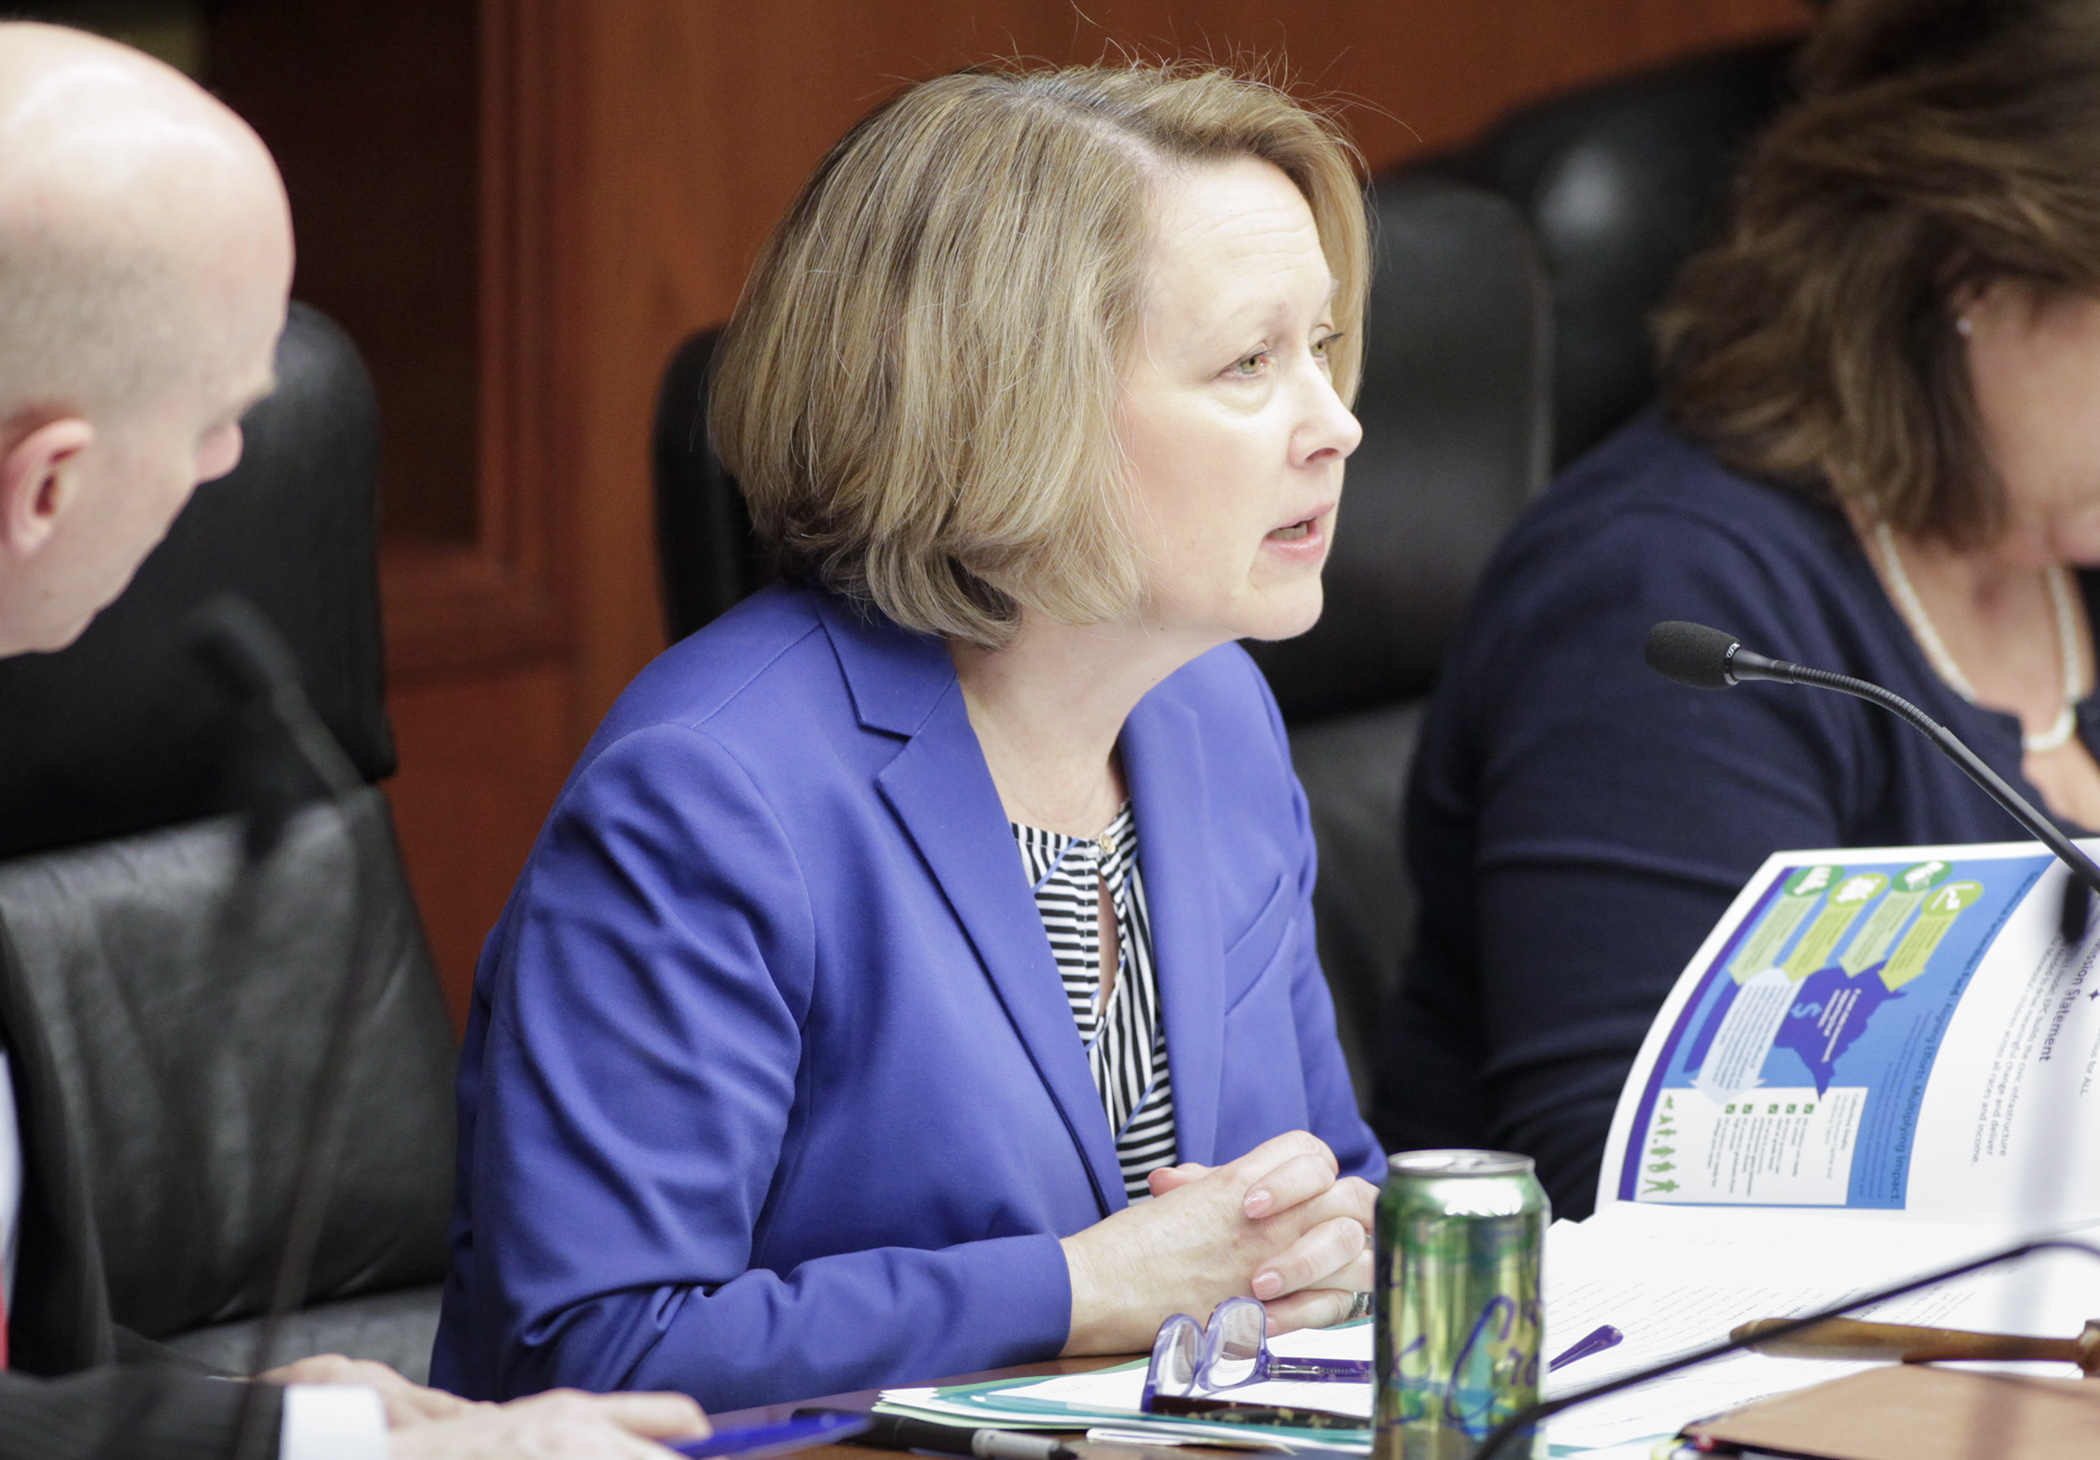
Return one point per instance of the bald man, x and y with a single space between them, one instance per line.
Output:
145 260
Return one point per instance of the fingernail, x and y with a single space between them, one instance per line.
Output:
1267 1285
1257 1202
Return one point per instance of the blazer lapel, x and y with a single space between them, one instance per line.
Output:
1163 760
940 789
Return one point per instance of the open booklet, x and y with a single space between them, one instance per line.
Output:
1897 1030
1880 1062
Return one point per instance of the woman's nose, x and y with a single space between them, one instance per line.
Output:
1329 426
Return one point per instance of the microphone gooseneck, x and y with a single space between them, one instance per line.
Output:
233 640
1707 658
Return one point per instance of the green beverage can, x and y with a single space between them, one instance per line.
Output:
1458 1308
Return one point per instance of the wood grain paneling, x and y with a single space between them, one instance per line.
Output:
611 175
481 758
697 120
369 107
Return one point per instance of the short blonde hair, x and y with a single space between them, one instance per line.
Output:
918 388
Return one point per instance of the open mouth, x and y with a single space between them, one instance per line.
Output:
1293 532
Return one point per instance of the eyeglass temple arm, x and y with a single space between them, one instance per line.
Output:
1318 1368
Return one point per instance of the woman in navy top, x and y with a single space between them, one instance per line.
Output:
1881 456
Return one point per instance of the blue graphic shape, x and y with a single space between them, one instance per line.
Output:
1703 1042
1831 1011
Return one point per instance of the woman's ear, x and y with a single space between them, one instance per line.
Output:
39 482
1963 296
1963 285
1994 303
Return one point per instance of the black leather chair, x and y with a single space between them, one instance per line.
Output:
1454 406
1621 183
186 1002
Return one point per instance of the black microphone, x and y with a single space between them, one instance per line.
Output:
1704 658
246 655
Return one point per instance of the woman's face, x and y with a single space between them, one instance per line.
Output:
1228 414
2035 369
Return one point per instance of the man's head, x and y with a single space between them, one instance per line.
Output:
145 260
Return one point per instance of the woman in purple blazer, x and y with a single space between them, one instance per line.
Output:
898 929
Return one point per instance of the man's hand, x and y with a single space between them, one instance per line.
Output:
406 1403
558 1425
1275 1224
562 1424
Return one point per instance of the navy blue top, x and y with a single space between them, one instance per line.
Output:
1576 823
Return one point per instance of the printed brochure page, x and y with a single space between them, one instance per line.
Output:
1894 1029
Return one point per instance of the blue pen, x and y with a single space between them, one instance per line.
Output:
1596 1341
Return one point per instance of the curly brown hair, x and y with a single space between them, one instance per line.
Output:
1939 146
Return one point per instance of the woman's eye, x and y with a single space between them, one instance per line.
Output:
1250 364
1324 344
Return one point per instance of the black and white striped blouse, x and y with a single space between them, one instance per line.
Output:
1126 1042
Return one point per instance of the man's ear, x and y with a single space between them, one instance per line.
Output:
39 482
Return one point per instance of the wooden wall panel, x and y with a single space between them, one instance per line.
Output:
627 157
708 115
481 758
369 106
698 119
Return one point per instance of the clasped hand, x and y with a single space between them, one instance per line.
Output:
1278 1224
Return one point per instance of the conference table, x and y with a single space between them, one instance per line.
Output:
865 1399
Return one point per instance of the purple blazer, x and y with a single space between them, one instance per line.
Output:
770 1089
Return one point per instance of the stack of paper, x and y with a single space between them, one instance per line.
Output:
1109 1397
1881 1062
1676 1280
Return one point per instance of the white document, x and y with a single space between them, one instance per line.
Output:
1891 1030
1881 1062
1112 1397
1675 1280
1120 1389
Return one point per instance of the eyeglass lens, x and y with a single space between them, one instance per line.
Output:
1175 1352
1235 1344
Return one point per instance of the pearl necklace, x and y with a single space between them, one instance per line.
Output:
2065 725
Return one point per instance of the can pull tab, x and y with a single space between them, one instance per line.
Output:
1459 1163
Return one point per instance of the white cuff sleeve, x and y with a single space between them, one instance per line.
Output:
332 1422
